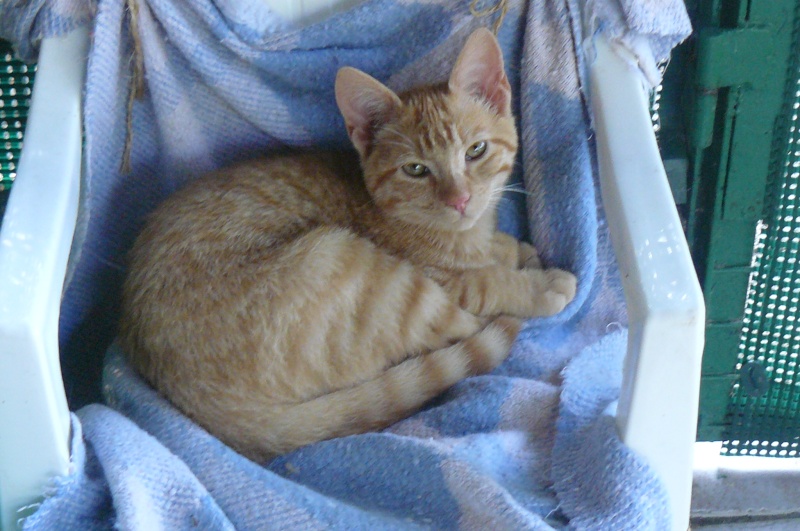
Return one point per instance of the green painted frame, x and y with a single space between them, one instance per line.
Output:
728 120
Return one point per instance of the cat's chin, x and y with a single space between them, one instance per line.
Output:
449 224
445 220
459 224
465 223
456 222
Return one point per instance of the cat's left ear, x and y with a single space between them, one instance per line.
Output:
365 103
479 71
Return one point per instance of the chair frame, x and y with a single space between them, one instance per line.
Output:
657 411
658 406
35 240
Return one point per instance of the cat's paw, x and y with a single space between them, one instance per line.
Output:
528 257
558 290
493 343
506 250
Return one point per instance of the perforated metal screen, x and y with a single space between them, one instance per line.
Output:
16 81
765 402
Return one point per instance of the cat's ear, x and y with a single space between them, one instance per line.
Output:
365 104
479 71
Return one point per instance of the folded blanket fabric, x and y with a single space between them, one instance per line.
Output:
520 448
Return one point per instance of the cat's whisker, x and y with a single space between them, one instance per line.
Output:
497 193
513 189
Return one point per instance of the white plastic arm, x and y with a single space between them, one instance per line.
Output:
35 239
657 412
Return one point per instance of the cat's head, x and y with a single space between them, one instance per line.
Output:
435 156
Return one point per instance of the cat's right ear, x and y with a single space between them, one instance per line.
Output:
479 71
365 104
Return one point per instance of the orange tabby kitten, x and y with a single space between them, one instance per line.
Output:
293 299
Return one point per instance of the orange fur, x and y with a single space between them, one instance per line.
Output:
287 300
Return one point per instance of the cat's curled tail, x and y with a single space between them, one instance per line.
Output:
394 394
330 336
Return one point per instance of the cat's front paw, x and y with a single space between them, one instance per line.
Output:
506 250
559 289
528 257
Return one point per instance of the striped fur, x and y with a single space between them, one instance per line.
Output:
293 299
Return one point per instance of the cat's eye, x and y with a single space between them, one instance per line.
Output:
414 169
476 150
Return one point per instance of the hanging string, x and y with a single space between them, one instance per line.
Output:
500 7
136 83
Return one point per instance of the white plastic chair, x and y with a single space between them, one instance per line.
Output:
35 239
657 411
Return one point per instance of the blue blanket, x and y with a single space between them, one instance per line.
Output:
530 446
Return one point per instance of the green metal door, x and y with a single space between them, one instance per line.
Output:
737 85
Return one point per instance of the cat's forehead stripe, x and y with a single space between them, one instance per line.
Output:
437 135
431 113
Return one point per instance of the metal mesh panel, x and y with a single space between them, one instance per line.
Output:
16 81
655 99
765 402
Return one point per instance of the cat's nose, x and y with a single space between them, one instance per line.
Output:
459 202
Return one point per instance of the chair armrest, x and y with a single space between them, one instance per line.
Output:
35 239
657 411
